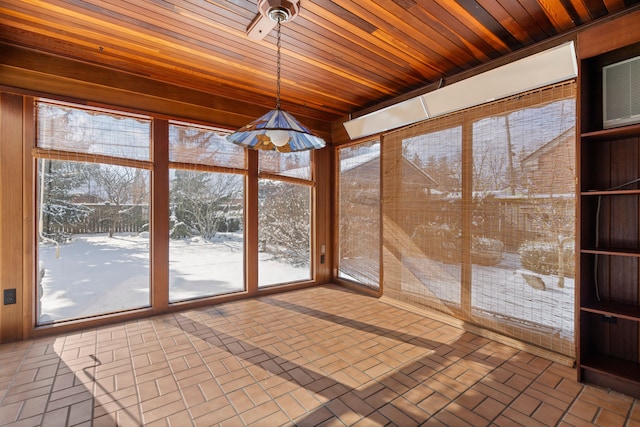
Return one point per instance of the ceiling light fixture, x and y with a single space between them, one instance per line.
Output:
277 130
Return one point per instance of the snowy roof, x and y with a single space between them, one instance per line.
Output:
357 161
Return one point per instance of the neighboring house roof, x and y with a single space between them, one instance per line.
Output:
362 161
530 162
358 161
431 183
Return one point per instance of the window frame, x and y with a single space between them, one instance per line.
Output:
312 184
216 169
159 168
337 197
39 153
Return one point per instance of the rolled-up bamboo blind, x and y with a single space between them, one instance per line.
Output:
67 128
191 145
296 164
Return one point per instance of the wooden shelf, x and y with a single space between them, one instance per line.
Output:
622 132
608 331
610 365
610 192
612 252
613 310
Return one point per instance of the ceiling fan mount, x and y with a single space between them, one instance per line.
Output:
270 12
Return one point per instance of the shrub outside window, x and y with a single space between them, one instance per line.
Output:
284 217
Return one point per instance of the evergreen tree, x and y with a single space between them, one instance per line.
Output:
60 181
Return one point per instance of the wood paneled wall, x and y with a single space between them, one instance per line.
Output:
11 214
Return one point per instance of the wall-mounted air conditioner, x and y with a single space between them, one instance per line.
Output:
621 93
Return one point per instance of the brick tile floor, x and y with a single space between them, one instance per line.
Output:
321 356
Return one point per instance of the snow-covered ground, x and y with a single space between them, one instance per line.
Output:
500 292
95 274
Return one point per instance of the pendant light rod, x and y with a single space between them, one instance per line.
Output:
278 67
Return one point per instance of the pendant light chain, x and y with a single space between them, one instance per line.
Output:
278 67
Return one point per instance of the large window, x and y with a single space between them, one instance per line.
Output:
136 212
93 186
206 221
284 217
479 216
359 213
523 220
430 184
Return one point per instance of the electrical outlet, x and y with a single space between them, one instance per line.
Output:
321 259
10 296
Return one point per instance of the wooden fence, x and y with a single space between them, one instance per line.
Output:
102 219
510 220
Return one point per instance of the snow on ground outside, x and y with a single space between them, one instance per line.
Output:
499 290
96 274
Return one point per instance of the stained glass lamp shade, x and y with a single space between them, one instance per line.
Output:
276 130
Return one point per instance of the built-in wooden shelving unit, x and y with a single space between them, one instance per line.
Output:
609 250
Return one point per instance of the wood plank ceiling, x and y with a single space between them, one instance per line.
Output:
338 57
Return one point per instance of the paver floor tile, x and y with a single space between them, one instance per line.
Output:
321 356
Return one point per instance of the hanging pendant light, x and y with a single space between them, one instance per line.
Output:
277 130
